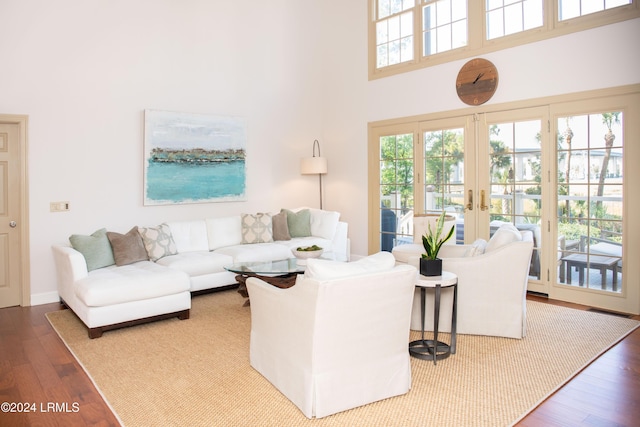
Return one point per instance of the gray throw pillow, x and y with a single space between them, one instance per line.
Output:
280 227
127 248
95 248
299 222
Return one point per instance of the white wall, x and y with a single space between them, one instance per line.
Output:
84 72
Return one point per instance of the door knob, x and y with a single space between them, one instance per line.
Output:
13 224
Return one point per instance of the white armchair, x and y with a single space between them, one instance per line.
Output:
492 286
339 337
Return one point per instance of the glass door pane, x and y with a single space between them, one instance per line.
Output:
443 184
396 190
590 200
515 181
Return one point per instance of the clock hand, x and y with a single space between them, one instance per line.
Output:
478 78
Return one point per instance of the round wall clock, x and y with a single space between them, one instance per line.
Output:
477 81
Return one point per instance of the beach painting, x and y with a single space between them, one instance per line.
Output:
193 158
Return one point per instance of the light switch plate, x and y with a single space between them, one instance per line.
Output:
59 206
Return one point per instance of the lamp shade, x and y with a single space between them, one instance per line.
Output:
313 165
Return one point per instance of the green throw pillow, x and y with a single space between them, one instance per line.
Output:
95 248
299 222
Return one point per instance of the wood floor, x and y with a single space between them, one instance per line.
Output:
37 373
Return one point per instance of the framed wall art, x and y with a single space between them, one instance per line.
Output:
193 158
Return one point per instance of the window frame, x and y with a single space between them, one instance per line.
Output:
478 44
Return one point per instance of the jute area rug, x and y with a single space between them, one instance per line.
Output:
196 372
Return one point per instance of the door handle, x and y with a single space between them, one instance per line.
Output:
483 206
469 205
13 224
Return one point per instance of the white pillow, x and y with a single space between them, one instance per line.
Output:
323 223
226 231
320 269
477 248
506 234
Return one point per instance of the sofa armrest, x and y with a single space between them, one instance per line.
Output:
70 267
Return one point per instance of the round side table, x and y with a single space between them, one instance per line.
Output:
434 349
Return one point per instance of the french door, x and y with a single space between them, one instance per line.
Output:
594 166
556 170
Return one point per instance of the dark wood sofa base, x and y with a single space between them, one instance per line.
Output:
97 332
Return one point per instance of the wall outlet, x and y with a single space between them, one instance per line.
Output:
59 206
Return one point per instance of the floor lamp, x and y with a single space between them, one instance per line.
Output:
314 165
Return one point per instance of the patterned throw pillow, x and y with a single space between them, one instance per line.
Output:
95 249
257 228
158 241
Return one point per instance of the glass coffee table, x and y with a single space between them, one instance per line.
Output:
279 273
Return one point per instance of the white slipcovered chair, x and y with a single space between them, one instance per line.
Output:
339 337
492 284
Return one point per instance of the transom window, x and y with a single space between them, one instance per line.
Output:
505 17
444 26
410 34
569 9
394 32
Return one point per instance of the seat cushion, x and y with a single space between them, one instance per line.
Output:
197 263
256 252
607 249
134 282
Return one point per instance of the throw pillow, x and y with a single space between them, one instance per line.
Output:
257 228
280 227
95 248
158 241
127 248
324 223
299 222
507 233
477 248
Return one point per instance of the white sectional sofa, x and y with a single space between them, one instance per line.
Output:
153 271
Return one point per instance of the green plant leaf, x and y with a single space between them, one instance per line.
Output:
432 242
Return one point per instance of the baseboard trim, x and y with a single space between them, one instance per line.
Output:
45 298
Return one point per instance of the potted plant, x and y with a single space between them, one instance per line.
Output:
430 264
